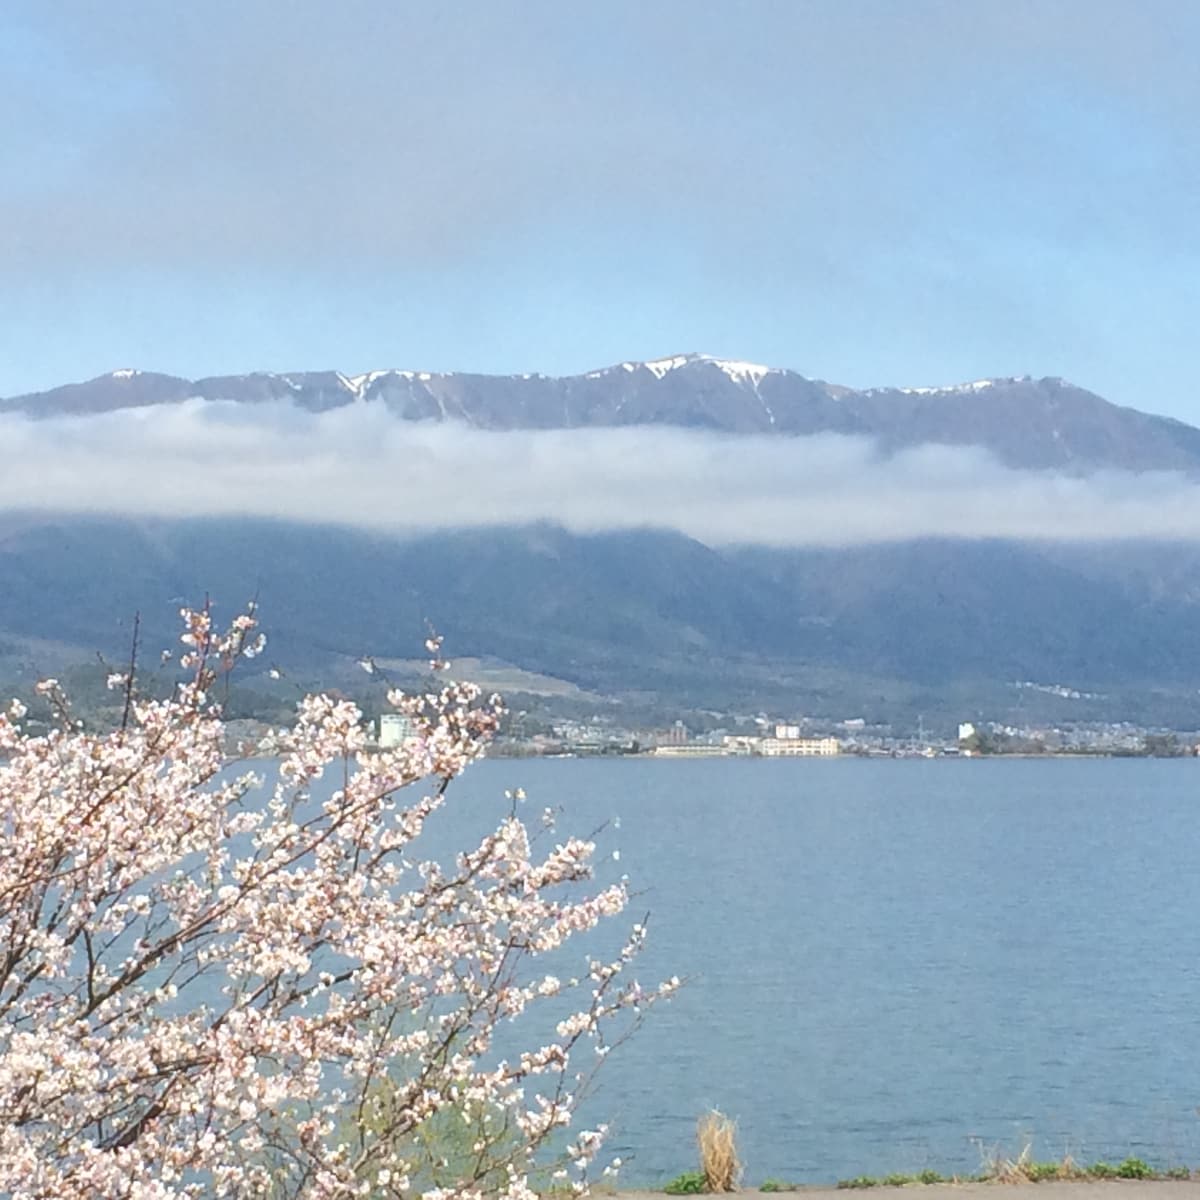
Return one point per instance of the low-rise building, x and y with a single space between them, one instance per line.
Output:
690 750
798 747
740 743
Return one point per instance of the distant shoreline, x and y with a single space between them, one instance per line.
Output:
849 756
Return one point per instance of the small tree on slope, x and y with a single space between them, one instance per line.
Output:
209 991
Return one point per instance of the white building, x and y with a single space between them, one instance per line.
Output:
798 747
395 729
690 750
788 732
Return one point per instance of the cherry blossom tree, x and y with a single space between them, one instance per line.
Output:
216 984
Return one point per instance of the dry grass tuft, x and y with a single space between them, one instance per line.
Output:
1013 1170
999 1167
716 1135
1068 1168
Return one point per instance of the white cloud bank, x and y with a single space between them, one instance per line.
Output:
360 466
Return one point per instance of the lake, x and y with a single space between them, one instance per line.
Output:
892 963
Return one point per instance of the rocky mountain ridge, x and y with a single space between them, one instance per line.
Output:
1037 424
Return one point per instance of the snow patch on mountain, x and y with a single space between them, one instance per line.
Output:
361 382
961 389
739 372
124 373
355 389
978 385
660 367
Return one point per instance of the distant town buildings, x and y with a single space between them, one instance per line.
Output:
786 742
674 735
747 735
767 747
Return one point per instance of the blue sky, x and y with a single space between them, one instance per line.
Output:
868 191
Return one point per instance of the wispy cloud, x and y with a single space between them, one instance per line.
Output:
360 466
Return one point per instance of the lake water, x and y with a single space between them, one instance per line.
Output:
890 960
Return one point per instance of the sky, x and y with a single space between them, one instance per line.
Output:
871 192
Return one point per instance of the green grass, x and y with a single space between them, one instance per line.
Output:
1038 1172
897 1180
1135 1168
1130 1168
690 1183
1020 1170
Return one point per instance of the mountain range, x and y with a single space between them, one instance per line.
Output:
936 627
1038 424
